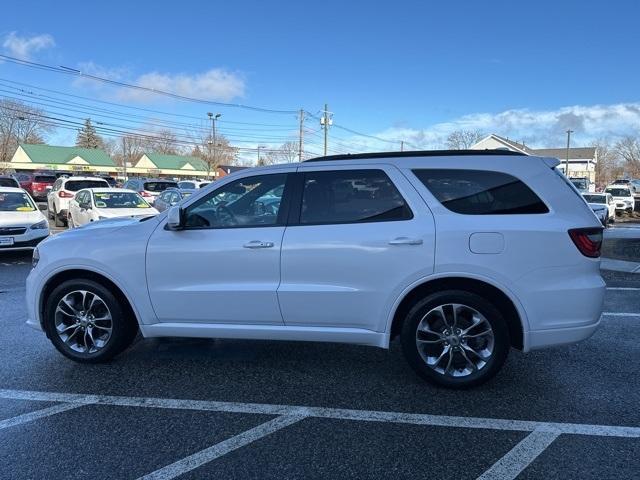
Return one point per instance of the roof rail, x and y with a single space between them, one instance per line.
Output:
416 153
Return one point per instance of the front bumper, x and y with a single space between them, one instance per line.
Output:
27 241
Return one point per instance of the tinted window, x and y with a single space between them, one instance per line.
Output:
480 192
44 178
159 186
8 182
595 198
75 185
351 196
619 192
187 185
248 202
119 200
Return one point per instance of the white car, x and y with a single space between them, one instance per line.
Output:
193 184
462 255
93 204
623 196
603 205
22 225
63 190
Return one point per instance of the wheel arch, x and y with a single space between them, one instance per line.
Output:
506 303
84 273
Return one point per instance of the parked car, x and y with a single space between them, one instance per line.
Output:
94 204
149 188
110 180
623 196
37 185
171 197
9 181
64 189
22 225
582 184
462 255
192 184
603 205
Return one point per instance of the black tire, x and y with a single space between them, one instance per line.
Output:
501 341
49 213
124 329
57 219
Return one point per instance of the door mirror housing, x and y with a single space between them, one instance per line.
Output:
85 205
175 218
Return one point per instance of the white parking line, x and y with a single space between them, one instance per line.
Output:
520 456
623 289
219 449
334 413
45 412
620 314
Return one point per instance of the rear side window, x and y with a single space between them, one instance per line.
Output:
481 192
8 182
351 196
159 186
75 185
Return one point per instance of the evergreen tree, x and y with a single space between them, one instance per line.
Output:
88 137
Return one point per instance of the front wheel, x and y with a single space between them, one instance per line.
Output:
86 322
455 339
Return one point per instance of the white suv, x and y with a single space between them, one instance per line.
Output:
462 255
63 190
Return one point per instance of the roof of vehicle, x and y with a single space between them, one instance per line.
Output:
84 178
109 190
11 190
143 179
594 193
416 153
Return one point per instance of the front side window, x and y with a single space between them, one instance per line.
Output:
351 196
248 202
480 192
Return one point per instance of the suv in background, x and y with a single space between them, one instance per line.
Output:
462 255
36 184
193 184
149 188
9 181
64 189
623 196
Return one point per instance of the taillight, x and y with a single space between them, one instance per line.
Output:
63 194
145 194
588 240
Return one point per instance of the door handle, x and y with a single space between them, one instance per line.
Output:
405 241
258 244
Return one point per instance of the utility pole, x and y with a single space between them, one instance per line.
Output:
300 142
325 122
259 147
124 157
212 141
402 145
566 165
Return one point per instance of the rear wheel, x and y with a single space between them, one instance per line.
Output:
86 322
455 339
57 220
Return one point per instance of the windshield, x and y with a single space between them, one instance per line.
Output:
16 202
187 185
595 198
44 178
159 186
619 192
580 184
76 185
8 182
119 200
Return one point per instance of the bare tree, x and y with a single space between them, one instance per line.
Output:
222 153
287 153
628 148
608 166
20 123
463 139
164 141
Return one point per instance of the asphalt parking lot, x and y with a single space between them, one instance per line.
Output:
181 408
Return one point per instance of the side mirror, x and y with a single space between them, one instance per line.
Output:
174 218
85 205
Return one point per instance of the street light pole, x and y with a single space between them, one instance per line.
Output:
566 165
212 141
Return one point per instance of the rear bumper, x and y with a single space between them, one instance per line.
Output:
558 336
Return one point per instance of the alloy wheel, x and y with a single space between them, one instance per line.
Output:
83 321
455 340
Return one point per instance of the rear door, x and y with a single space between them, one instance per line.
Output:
357 236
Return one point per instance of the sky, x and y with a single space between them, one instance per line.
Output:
401 70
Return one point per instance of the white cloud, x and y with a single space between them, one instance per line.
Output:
214 84
537 128
24 47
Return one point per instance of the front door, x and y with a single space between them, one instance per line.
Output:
356 238
224 267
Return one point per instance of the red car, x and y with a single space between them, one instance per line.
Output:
36 183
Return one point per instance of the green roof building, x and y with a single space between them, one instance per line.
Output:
48 157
